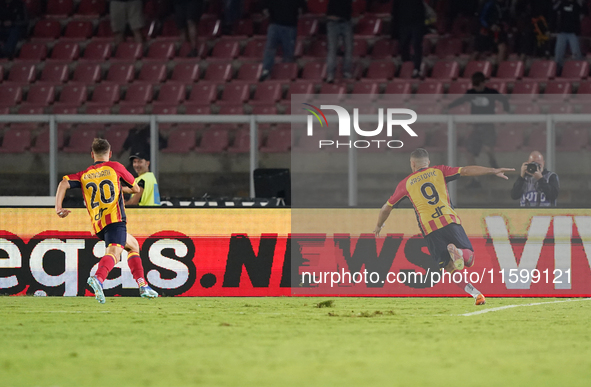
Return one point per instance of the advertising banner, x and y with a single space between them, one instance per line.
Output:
257 252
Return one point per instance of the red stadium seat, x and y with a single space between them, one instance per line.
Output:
243 28
264 109
87 73
120 73
266 94
427 108
40 95
34 8
482 66
527 108
369 26
584 91
26 108
10 95
213 141
249 72
116 135
218 72
161 51
574 138
78 30
131 109
73 95
60 8
385 49
186 52
58 108
525 90
138 94
196 109
254 49
500 86
380 71
314 72
445 70
558 90
185 72
97 51
510 138
510 70
448 47
318 49
304 88
542 70
328 91
54 73
559 108
128 51
105 94
202 94
181 141
317 7
231 109
65 52
104 31
359 48
537 138
208 27
16 141
225 49
171 94
22 73
459 87
241 142
46 30
397 91
152 72
34 52
307 26
364 93
575 70
284 72
278 141
436 140
407 68
234 94
81 138
430 90
42 141
98 109
91 8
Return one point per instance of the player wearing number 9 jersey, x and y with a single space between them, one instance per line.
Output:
103 185
426 188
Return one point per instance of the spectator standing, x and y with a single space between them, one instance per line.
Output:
146 181
494 24
125 12
13 25
568 27
339 25
536 186
482 100
186 16
410 16
283 30
232 13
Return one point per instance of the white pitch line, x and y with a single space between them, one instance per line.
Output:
518 305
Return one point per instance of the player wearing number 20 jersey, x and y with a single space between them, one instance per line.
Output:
101 187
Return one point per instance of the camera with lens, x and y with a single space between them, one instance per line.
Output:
533 167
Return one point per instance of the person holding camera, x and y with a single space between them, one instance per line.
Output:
536 187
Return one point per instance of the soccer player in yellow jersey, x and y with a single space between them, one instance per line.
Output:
426 187
103 185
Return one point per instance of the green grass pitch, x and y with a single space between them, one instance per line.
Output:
290 341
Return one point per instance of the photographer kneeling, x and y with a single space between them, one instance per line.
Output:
536 187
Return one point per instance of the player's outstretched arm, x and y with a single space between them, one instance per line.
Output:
384 214
63 186
475 170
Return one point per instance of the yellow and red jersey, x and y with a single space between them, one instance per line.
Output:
427 191
101 188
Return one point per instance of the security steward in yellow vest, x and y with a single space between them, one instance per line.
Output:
149 194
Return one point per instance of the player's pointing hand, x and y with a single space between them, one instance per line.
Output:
500 172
